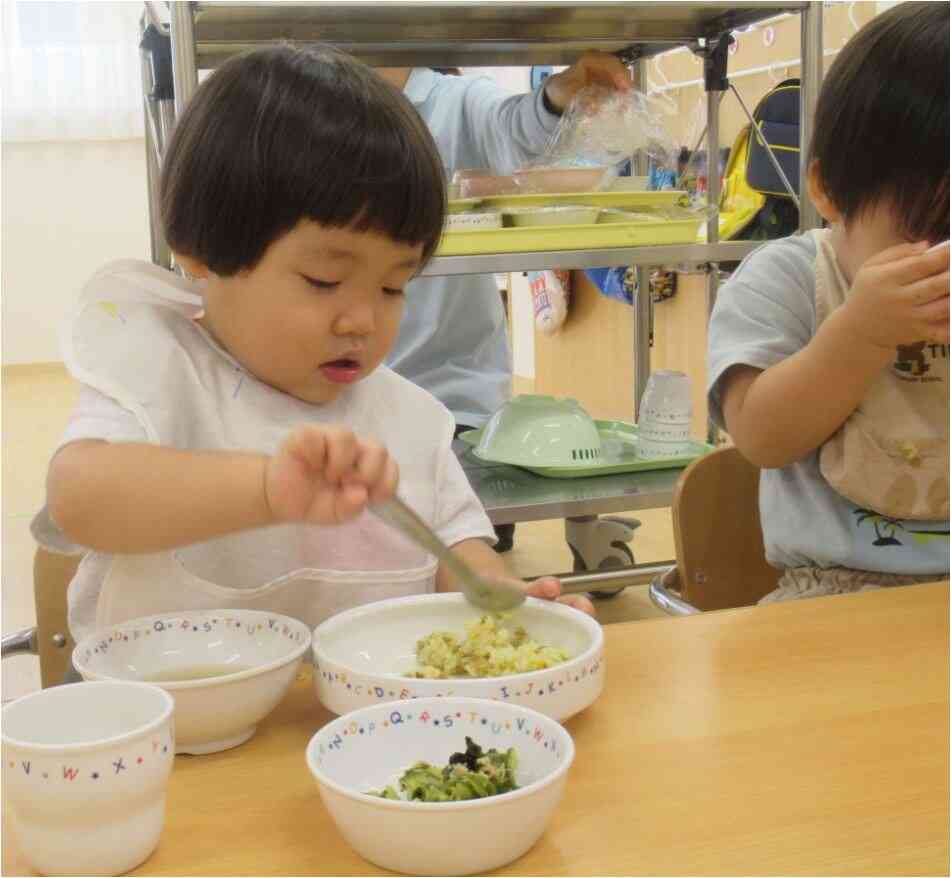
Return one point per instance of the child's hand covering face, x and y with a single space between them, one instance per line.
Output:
900 296
327 475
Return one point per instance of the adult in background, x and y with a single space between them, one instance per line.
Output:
453 340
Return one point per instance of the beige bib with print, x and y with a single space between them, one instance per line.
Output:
891 455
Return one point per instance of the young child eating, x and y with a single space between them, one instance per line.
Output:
828 360
234 427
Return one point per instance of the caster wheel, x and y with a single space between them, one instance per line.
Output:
610 563
613 563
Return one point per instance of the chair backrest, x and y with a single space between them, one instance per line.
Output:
717 533
51 577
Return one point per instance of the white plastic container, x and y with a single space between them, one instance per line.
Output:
473 220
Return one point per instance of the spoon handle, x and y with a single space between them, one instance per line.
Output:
397 514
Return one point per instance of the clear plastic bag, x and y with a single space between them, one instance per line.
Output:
604 127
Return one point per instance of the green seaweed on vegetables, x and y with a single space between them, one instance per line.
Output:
472 774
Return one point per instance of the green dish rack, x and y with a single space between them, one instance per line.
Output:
619 454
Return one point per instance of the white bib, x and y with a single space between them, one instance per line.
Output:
891 454
133 336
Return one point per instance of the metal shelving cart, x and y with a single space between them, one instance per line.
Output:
181 38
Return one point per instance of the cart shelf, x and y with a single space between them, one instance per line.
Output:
472 34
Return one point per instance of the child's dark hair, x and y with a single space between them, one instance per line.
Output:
282 134
881 127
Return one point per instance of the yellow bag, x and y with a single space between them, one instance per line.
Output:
739 203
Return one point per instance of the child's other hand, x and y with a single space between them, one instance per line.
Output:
900 296
548 588
327 475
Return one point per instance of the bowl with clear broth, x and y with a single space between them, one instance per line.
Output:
226 669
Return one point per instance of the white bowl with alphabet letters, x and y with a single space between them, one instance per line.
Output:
371 748
226 669
363 656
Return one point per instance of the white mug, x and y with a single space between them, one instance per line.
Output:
85 769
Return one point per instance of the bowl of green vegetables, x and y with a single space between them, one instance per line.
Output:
444 785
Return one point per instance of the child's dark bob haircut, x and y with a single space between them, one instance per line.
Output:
282 134
881 129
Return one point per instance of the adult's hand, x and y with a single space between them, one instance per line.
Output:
592 68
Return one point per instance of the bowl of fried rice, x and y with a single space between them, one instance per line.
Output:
543 655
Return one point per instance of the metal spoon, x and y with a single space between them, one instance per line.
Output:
496 597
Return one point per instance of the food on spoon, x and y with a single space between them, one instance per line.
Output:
474 774
489 649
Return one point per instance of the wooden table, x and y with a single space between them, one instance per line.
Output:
806 738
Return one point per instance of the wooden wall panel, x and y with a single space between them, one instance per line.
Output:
592 357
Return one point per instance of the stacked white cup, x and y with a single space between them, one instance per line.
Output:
664 423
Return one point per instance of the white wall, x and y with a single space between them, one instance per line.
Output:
67 208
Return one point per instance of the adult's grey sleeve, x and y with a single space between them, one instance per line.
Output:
506 131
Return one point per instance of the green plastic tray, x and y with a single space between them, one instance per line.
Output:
620 436
525 239
458 205
661 198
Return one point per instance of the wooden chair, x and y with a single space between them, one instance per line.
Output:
50 639
718 539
